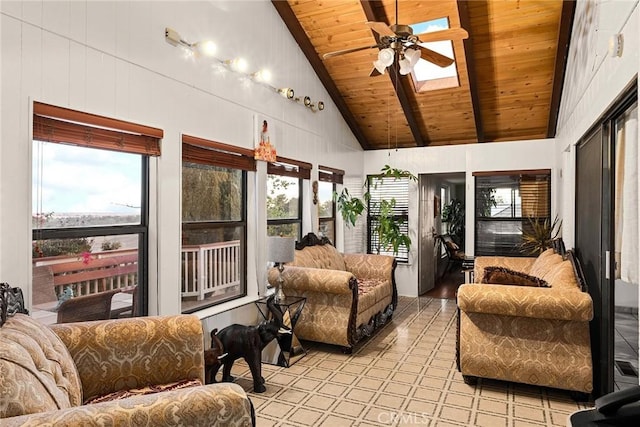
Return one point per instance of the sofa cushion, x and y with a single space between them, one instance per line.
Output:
319 256
37 373
563 276
504 276
544 263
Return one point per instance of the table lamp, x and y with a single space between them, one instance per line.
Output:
281 250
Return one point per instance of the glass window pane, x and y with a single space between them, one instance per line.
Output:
327 229
284 230
100 274
211 193
212 263
283 195
82 187
325 199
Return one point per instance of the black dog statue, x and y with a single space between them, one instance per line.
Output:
213 358
247 342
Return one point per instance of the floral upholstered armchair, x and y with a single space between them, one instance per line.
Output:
146 371
348 295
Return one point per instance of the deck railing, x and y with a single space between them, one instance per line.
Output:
210 268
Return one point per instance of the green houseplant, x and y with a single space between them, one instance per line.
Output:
538 234
453 216
388 226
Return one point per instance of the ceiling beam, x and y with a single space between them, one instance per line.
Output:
465 22
296 30
564 38
401 91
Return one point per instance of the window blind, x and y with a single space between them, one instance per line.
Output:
387 188
203 151
328 174
66 126
289 167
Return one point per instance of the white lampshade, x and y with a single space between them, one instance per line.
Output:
386 56
413 55
405 66
379 66
281 249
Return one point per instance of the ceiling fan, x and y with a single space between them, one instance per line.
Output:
399 41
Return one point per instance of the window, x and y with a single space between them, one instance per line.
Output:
284 197
89 215
508 203
328 178
214 222
393 193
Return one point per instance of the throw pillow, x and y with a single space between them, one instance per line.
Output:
505 276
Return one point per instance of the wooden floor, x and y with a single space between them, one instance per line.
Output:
447 286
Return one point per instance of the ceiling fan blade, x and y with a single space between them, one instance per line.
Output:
449 34
381 28
374 72
342 52
434 57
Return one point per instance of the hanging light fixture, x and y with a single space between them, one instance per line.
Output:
409 59
385 58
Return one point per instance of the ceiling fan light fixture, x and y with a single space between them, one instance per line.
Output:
386 56
413 55
380 67
405 66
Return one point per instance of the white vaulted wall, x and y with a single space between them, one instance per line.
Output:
110 58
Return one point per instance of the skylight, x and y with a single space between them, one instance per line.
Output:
428 76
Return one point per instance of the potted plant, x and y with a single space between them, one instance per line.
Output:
453 216
538 234
388 227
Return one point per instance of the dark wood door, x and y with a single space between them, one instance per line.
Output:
592 225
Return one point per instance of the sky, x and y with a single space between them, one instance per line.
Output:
70 179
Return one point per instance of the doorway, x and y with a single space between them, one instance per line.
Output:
439 194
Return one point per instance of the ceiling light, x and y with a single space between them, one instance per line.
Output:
287 92
306 101
385 58
318 107
237 64
206 48
262 75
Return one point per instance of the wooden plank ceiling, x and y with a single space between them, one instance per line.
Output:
510 69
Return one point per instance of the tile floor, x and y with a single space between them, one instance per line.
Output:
403 375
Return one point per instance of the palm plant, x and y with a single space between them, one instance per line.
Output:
539 234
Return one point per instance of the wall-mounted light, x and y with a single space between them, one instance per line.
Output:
206 48
263 76
616 43
286 92
237 64
317 107
306 101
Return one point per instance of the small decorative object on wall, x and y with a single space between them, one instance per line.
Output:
436 206
314 188
264 150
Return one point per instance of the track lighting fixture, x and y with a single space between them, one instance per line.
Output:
286 92
208 48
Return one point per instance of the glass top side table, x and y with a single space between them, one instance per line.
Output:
286 349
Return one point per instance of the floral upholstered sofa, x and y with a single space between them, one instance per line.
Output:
145 371
348 295
536 332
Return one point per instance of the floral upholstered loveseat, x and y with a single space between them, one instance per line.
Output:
122 372
348 295
535 334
